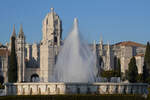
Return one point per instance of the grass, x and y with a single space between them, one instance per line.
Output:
77 97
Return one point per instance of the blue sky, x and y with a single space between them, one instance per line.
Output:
114 20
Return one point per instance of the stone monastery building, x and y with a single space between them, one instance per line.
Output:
36 61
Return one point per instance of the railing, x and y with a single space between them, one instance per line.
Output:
2 92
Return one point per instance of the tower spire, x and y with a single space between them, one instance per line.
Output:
21 55
14 32
52 9
21 33
101 46
101 39
108 46
108 49
108 60
21 29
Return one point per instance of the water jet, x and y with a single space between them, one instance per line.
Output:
76 62
75 73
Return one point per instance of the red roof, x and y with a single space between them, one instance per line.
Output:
130 43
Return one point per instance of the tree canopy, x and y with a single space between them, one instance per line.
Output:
146 66
132 71
12 70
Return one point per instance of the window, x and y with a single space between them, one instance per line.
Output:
35 78
55 40
47 21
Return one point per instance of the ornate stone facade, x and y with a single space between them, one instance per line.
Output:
123 51
4 53
50 43
38 60
20 51
75 88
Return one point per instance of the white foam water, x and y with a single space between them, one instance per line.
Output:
76 62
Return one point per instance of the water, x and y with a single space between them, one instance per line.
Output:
76 62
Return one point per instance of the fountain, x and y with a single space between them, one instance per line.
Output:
76 62
75 73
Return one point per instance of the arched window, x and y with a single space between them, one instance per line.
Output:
35 78
55 40
100 61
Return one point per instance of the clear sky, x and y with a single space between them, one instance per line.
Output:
114 20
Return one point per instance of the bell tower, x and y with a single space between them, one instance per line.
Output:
52 29
50 44
21 55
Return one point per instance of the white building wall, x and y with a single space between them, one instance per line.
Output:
139 63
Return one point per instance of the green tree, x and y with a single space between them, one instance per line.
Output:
108 74
12 70
125 75
147 56
140 78
115 63
145 74
100 64
118 68
146 67
132 71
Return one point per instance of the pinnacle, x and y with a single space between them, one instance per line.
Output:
21 30
14 32
52 9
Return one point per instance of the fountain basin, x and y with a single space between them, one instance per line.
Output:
74 88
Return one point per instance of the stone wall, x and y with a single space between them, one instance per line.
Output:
75 88
29 72
4 63
140 63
